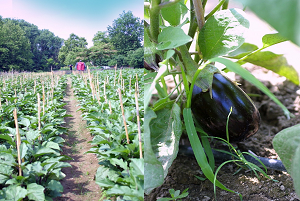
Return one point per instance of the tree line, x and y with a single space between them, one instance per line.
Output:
24 47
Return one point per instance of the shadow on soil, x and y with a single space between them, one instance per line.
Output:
72 182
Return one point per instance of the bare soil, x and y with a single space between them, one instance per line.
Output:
183 170
79 184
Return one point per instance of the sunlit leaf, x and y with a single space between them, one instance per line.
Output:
222 33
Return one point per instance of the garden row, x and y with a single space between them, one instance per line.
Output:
112 103
31 118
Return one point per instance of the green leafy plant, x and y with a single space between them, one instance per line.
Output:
175 195
286 21
169 53
121 170
40 145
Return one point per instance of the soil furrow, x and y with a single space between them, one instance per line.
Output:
79 182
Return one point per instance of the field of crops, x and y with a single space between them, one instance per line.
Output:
31 128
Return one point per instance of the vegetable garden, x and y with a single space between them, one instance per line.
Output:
207 112
32 117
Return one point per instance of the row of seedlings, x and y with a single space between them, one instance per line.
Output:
31 119
112 104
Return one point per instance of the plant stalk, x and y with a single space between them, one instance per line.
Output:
154 19
199 13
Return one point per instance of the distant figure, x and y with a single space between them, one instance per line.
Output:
80 66
71 67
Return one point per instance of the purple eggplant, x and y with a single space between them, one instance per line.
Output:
212 113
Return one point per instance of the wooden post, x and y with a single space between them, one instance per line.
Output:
15 96
110 107
105 97
34 86
137 84
91 84
124 119
39 112
18 141
43 99
138 123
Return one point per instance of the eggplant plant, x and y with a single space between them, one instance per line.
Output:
183 44
37 175
121 169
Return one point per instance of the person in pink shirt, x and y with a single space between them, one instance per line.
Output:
80 66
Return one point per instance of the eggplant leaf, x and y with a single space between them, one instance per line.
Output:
287 145
166 130
154 173
284 16
222 33
172 37
272 39
276 63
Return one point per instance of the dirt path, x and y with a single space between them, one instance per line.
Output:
79 182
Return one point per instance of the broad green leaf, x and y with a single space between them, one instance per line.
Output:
43 151
105 177
7 159
222 33
285 143
35 168
32 135
242 51
172 37
55 186
165 133
25 122
23 149
295 170
51 145
150 86
35 192
154 173
126 191
205 77
119 162
138 167
272 39
8 139
5 173
274 62
169 54
14 193
249 77
172 14
284 16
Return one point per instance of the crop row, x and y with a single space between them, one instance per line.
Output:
116 134
30 137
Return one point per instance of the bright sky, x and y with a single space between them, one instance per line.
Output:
63 17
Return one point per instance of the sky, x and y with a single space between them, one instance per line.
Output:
63 17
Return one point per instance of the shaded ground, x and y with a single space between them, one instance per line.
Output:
79 184
183 170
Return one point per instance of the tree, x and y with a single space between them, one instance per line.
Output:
47 46
120 59
101 37
126 33
14 48
136 58
103 49
76 45
43 45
